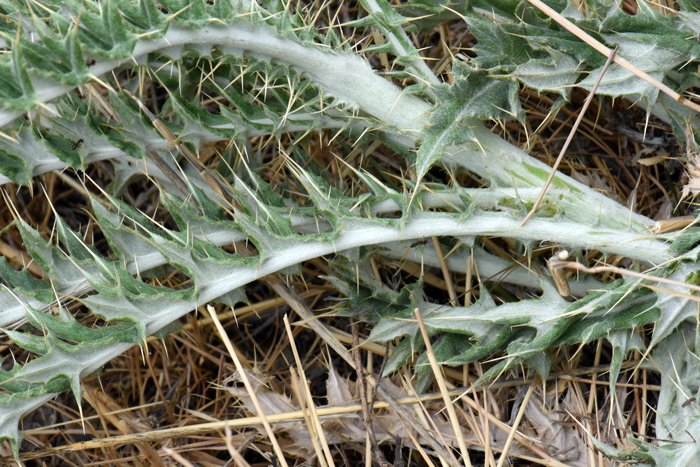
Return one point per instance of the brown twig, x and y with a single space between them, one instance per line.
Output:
154 156
611 56
398 460
468 280
251 392
332 341
578 32
443 389
366 414
10 252
305 394
211 427
558 274
427 419
189 155
518 418
105 406
445 272
671 225
298 305
555 263
169 172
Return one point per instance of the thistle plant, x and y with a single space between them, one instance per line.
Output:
71 84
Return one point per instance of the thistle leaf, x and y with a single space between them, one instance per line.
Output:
474 94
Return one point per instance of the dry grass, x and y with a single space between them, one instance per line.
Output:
181 401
